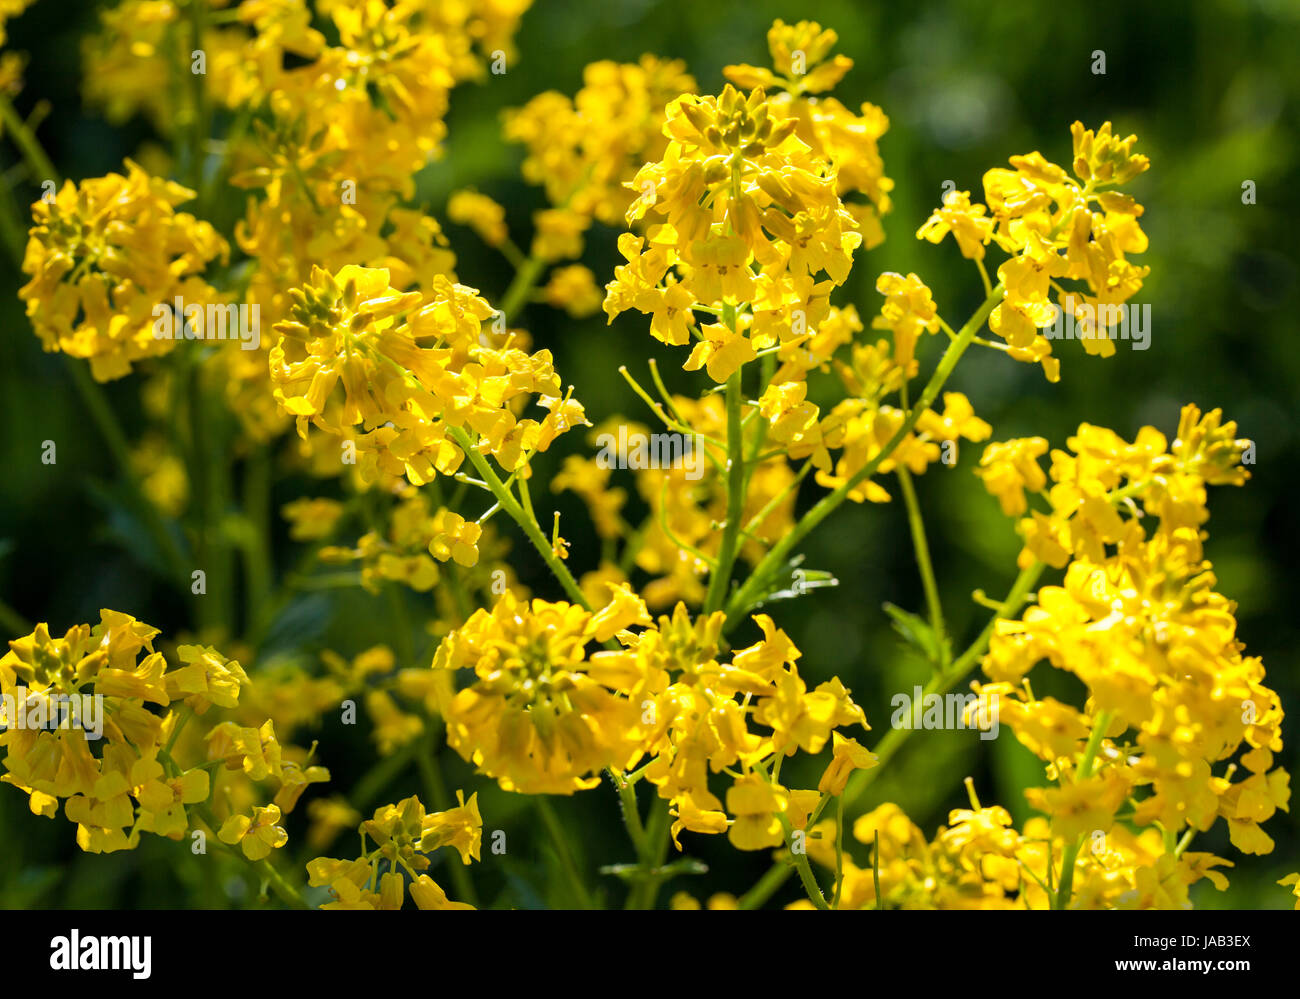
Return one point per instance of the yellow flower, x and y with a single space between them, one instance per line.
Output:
690 816
848 755
584 149
755 804
102 255
1009 468
427 895
460 827
534 717
480 213
257 835
967 223
207 678
294 780
312 519
573 289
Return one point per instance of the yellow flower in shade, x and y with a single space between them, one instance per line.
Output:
573 289
1009 468
312 519
402 835
254 750
1294 881
207 678
257 835
586 148
294 780
393 727
426 894
558 234
460 827
480 213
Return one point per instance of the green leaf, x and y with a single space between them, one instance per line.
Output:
916 631
792 582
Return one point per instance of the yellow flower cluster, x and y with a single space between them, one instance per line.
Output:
735 186
981 861
404 835
99 683
102 255
741 212
413 370
1171 696
416 538
337 131
586 148
1044 218
849 142
543 716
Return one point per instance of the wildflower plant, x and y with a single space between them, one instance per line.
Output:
411 418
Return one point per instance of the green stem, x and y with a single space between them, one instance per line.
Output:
766 887
747 595
839 851
657 839
27 144
525 279
529 525
92 396
810 885
922 547
258 574
561 844
720 578
1099 725
287 892
186 714
941 683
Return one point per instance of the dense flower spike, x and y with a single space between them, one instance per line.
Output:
545 717
586 148
103 255
411 367
1138 621
404 835
1056 228
79 727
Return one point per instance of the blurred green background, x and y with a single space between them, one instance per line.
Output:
1210 88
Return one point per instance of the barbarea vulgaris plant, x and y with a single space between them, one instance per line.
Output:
418 407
